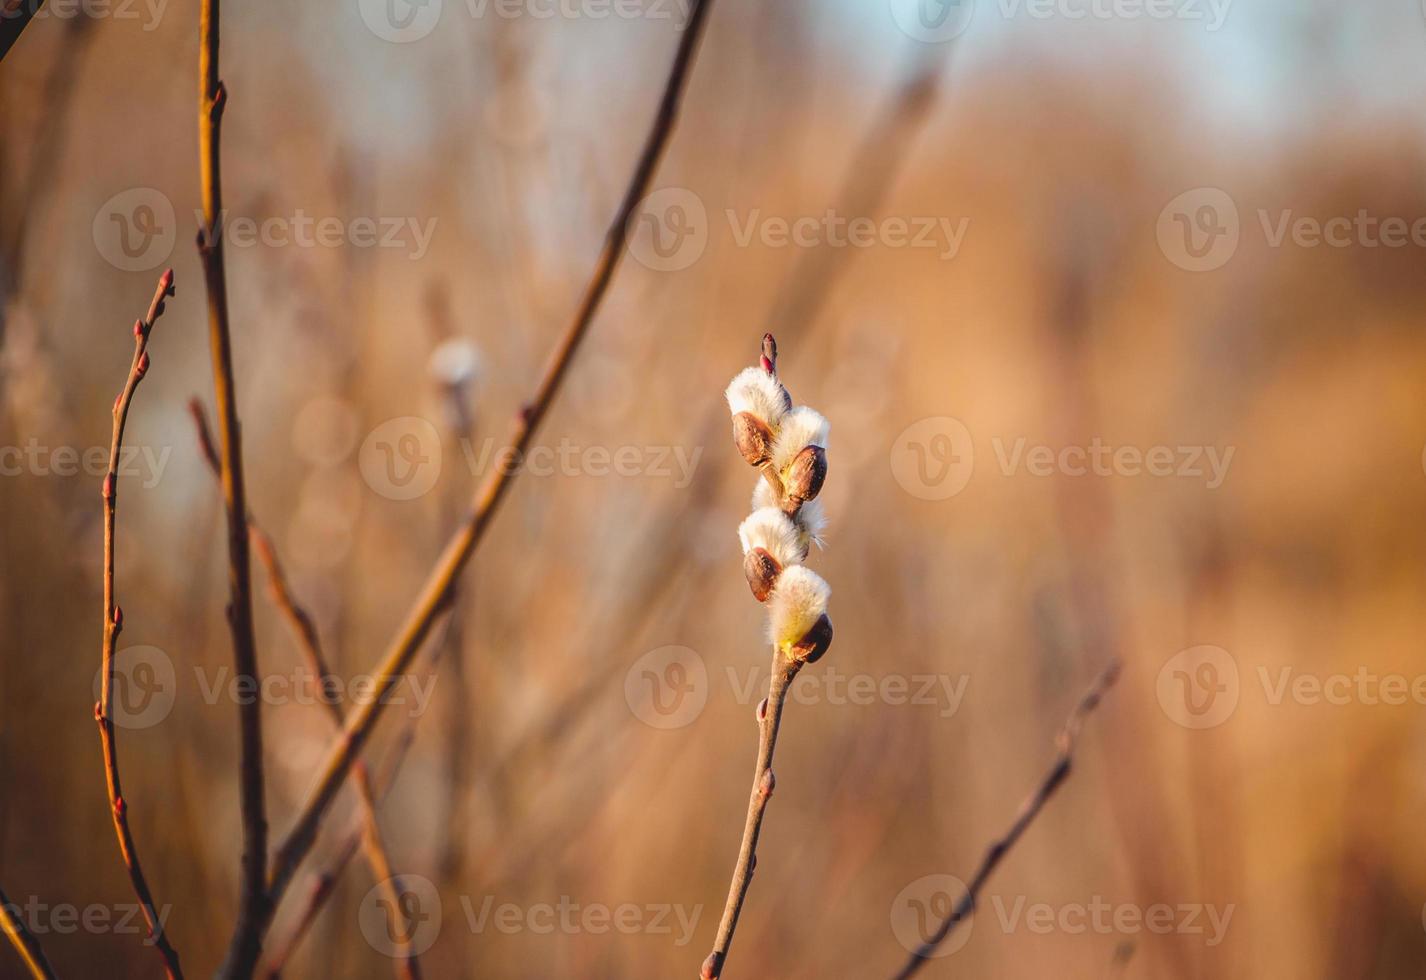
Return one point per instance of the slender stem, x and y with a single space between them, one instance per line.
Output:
24 941
253 905
304 631
784 669
114 624
14 16
325 882
435 595
1029 810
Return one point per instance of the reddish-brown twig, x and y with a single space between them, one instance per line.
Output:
784 670
304 631
253 903
23 940
114 624
1029 810
436 592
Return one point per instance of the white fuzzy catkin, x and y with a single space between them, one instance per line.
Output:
801 427
798 600
810 521
759 394
772 530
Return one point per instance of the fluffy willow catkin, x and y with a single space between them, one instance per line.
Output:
788 445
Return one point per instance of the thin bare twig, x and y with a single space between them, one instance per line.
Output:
437 590
304 631
324 883
23 940
784 669
14 16
114 624
1029 810
253 903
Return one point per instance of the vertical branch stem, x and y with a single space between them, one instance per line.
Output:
23 940
253 900
784 669
114 624
436 593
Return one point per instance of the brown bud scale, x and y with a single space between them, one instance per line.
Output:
753 438
815 643
762 570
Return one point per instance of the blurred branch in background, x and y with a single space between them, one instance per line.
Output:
1058 773
114 624
23 940
304 632
435 595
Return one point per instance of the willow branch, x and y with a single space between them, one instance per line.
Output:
435 593
1029 810
304 631
784 669
253 902
324 883
24 941
114 624
15 15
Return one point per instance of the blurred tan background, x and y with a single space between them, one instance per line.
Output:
1080 232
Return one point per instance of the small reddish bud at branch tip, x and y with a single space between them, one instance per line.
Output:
768 360
138 328
767 784
165 282
108 489
710 968
118 617
119 806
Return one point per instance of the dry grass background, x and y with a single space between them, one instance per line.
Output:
1060 320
